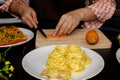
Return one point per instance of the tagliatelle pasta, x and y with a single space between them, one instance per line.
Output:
69 59
11 35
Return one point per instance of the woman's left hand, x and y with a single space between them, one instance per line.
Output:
67 23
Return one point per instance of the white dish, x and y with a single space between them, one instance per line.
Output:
118 55
27 32
34 62
10 20
1 1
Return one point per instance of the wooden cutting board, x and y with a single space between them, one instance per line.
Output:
76 37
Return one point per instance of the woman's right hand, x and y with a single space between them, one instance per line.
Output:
26 13
28 16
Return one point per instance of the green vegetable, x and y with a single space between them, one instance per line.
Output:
118 38
6 68
3 55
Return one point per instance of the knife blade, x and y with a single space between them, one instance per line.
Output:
43 33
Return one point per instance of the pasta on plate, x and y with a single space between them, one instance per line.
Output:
64 61
11 35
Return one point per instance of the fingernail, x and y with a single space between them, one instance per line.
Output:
53 34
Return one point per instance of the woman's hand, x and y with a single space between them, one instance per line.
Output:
29 17
26 13
67 23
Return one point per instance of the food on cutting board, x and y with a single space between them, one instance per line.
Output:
51 36
64 61
92 37
11 35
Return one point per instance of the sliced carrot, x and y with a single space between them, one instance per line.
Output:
51 36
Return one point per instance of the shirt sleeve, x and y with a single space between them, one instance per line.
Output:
6 4
25 2
104 10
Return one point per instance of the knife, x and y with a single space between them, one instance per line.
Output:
43 33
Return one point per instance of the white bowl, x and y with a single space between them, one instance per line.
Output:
118 55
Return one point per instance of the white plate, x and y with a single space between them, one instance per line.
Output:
34 62
10 20
1 1
118 55
27 32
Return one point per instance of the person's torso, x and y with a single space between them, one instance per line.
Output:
51 10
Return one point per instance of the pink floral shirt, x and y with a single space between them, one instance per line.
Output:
5 6
103 9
